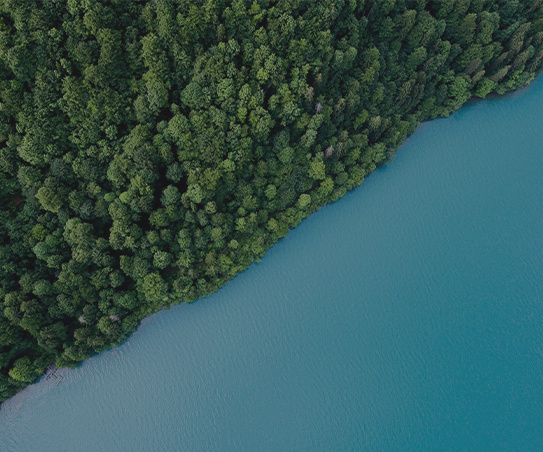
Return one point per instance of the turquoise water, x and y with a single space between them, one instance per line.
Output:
407 316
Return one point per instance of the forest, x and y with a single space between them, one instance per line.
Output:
151 150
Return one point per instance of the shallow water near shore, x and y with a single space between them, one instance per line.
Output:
406 316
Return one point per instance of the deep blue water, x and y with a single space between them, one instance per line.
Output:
407 316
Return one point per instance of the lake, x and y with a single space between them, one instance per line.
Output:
406 316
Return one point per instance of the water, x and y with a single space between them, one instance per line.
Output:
407 316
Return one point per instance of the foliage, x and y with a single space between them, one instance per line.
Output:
160 147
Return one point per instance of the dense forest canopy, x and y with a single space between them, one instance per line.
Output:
150 150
